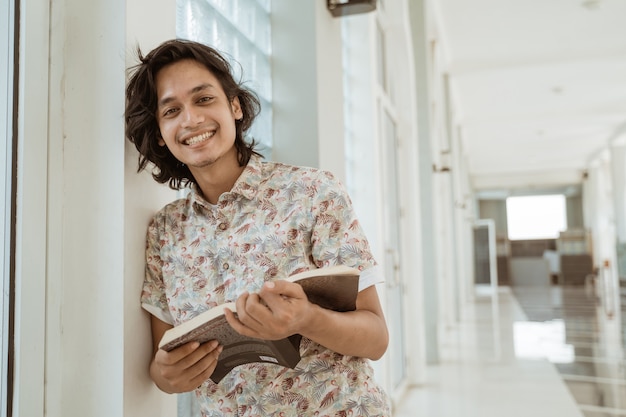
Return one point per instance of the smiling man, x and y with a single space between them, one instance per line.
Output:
245 224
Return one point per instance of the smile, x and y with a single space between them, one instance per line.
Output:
200 138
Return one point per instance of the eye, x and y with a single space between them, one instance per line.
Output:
169 112
206 99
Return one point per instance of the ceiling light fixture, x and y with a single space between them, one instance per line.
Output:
340 8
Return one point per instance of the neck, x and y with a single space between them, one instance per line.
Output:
219 177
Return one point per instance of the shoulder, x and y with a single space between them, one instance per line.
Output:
281 172
174 211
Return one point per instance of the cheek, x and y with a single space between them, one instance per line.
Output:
165 132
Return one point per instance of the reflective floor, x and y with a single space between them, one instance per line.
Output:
592 362
528 351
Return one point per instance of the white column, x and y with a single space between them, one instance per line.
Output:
599 201
419 22
85 277
618 165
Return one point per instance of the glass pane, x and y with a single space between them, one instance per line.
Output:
241 30
6 192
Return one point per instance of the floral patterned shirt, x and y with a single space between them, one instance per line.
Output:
277 220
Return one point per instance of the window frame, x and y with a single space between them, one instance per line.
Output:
7 206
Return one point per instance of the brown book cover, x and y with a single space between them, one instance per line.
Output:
334 288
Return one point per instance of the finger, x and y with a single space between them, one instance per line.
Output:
193 377
272 295
204 368
255 311
175 355
233 320
240 305
195 356
236 323
281 288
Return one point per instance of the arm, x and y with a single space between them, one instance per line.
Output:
362 332
183 369
281 309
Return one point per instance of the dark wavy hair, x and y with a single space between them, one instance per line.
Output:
142 127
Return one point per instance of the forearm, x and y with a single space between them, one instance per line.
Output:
281 309
359 333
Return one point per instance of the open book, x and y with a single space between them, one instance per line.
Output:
334 288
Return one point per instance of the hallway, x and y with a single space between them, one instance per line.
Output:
529 353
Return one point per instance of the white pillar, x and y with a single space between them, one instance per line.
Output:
419 27
618 165
85 276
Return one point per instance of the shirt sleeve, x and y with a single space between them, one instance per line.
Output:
153 295
371 276
337 237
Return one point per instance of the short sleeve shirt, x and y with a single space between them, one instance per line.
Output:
277 220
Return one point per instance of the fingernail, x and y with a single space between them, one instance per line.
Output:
270 284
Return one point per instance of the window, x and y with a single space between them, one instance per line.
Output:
6 200
536 217
241 30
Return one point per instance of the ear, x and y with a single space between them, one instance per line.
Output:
235 106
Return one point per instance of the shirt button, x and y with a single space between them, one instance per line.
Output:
222 226
225 266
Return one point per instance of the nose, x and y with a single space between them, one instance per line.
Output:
192 117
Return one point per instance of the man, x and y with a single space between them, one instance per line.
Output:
245 224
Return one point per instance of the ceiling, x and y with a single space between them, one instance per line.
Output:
539 86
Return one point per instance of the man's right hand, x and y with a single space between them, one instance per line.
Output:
186 367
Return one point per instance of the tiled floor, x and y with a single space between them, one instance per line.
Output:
549 351
595 370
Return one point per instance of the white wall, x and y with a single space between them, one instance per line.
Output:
142 197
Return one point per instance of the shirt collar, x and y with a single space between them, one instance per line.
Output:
246 185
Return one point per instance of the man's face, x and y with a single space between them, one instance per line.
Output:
196 119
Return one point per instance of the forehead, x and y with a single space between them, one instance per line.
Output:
182 77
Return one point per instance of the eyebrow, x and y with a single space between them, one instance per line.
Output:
205 86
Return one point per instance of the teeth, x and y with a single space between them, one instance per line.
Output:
199 138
